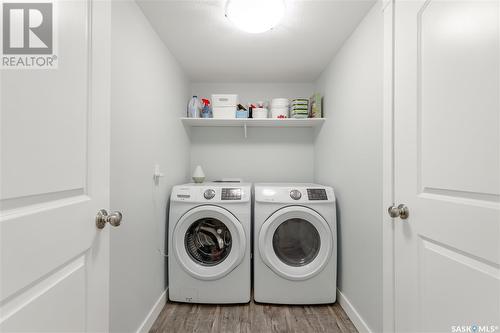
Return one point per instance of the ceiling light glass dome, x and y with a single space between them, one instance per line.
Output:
255 16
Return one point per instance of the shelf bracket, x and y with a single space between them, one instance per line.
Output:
245 129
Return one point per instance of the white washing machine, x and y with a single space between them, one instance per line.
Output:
295 244
209 243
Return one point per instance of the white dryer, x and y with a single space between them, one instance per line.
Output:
295 244
209 243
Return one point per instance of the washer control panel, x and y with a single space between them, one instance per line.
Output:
231 194
316 194
213 193
209 194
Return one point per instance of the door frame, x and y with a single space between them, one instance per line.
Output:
388 192
99 30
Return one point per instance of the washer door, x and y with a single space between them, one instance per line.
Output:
295 242
208 242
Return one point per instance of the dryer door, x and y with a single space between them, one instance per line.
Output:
296 242
208 242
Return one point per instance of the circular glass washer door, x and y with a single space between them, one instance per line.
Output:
208 242
295 242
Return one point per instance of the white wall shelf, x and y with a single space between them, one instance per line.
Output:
245 122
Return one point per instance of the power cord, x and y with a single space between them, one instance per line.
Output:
156 194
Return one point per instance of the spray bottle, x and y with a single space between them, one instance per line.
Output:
206 111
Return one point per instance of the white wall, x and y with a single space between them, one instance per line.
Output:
267 154
149 93
348 156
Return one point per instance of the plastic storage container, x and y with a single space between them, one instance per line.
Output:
224 100
299 108
242 114
224 112
224 106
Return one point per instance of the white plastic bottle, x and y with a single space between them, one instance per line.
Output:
194 108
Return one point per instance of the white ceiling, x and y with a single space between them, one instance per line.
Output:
211 49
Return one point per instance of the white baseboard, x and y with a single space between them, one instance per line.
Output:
153 313
353 314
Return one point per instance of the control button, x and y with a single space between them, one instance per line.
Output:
209 194
295 194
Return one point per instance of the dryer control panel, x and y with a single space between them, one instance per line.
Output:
294 193
212 193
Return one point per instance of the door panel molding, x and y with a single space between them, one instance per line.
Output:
444 270
25 203
472 261
461 197
62 94
445 106
30 293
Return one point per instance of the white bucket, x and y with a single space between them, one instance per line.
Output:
279 103
259 113
277 112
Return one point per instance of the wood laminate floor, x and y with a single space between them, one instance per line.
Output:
252 317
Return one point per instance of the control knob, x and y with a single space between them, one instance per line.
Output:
209 194
295 194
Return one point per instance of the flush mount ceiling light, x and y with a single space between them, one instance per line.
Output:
255 16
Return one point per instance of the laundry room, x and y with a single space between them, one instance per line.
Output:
250 166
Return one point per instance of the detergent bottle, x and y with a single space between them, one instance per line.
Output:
206 111
194 107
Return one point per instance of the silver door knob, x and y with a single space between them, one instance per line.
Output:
400 211
102 217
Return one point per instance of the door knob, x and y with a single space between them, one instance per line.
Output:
113 218
400 211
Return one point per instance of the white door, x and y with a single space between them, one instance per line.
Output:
54 179
447 165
